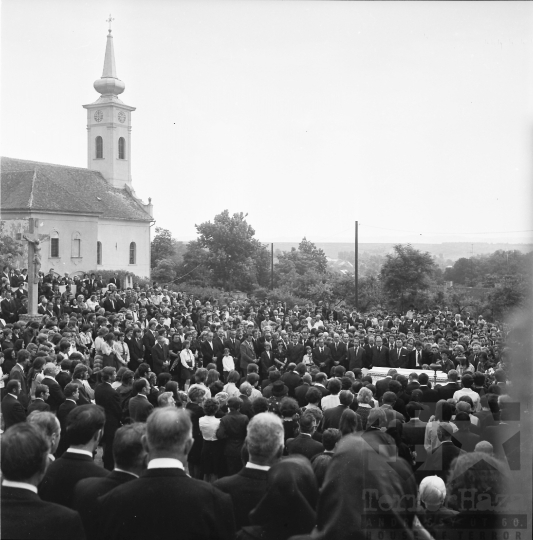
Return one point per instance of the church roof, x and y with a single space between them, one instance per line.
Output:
59 188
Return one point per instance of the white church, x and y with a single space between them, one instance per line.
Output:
90 219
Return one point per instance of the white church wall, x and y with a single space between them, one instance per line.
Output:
65 228
116 237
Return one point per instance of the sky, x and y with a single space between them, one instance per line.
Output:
413 118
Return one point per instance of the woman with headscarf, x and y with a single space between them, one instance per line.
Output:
476 488
357 493
288 506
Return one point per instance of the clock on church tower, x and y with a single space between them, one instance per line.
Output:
109 126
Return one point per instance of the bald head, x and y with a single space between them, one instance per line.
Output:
169 431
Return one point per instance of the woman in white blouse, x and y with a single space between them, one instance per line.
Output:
230 388
187 364
212 447
122 350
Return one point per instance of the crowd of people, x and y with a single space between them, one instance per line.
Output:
247 419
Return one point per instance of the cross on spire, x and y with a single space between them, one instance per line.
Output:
110 20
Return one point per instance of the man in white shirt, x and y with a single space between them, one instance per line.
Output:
468 381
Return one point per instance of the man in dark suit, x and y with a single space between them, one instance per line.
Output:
399 355
382 385
415 356
8 308
115 280
208 350
198 509
380 354
110 304
39 403
414 432
109 399
56 396
12 410
247 354
18 373
339 352
64 376
129 455
320 384
440 460
160 355
429 397
84 429
448 389
72 394
218 348
356 356
292 379
295 350
301 391
149 341
234 346
264 441
322 357
332 416
24 514
232 429
304 444
139 407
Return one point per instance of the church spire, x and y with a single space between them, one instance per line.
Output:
110 69
109 85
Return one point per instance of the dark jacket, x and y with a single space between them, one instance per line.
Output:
246 489
38 405
163 504
159 357
233 429
139 408
86 493
304 445
56 396
332 417
12 411
380 358
292 380
439 461
64 473
357 358
25 515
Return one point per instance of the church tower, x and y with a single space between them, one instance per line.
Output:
109 125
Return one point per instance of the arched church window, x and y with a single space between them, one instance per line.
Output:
99 144
121 148
98 252
133 253
76 245
54 244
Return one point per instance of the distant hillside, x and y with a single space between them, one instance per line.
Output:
446 250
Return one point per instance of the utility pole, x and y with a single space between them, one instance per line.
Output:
356 265
271 266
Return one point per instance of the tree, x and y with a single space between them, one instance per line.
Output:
164 271
304 270
233 255
406 274
162 246
10 249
